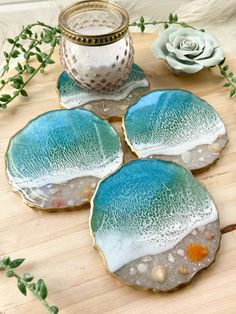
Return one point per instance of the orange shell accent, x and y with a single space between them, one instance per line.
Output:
57 203
196 252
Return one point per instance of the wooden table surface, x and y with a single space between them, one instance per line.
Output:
58 247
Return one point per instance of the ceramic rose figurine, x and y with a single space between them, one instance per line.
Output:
186 50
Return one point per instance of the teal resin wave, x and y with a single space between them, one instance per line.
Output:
72 95
61 145
171 122
146 207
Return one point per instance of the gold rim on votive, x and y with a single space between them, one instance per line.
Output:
93 40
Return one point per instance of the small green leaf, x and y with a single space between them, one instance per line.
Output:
29 69
50 61
43 55
28 277
171 18
39 58
6 54
54 41
142 27
42 289
222 72
5 97
233 79
3 82
226 84
14 53
21 286
28 31
225 68
16 85
18 79
141 19
6 259
222 62
10 40
16 262
47 39
9 273
24 93
202 30
231 74
232 92
3 106
23 36
166 26
175 18
19 67
37 49
6 68
54 309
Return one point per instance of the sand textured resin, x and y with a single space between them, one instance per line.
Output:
155 225
175 125
57 159
107 105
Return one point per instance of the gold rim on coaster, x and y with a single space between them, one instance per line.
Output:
93 40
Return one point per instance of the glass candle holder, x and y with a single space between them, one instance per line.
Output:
96 47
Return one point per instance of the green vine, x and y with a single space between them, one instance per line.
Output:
39 289
28 45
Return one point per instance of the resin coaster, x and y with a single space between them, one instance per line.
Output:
104 105
175 125
56 160
155 225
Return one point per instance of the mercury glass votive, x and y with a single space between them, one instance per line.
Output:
96 47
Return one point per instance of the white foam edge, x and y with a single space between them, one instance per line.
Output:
130 250
75 101
65 175
149 149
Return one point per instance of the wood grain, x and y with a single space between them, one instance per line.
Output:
58 247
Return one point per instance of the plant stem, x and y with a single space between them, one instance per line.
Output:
161 22
20 279
18 37
227 77
29 79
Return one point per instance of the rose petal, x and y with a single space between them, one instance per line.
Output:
159 48
214 59
212 39
159 45
207 51
176 52
199 47
188 68
199 40
185 32
183 54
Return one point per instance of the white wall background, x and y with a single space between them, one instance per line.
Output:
217 16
